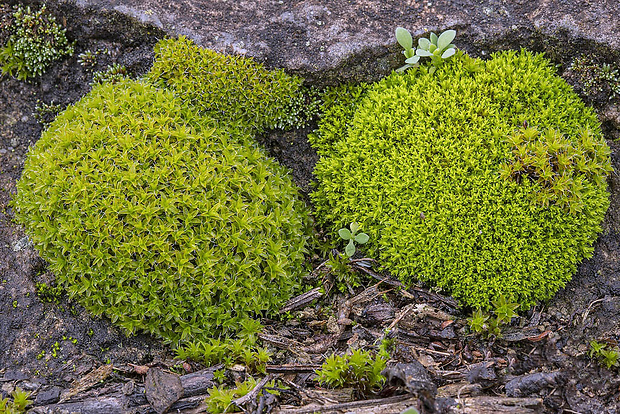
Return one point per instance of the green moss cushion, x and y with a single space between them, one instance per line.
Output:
164 221
229 88
426 165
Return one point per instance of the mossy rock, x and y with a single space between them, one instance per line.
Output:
427 165
164 221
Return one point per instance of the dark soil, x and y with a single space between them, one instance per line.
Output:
47 341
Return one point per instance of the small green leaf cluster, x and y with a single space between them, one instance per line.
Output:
353 237
438 48
604 354
36 41
417 163
16 405
482 323
49 293
88 58
113 74
302 107
338 105
345 277
359 369
559 165
244 350
164 221
227 87
45 113
220 399
597 78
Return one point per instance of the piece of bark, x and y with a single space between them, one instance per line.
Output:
198 382
413 378
525 385
460 389
378 313
162 389
332 396
139 369
302 300
93 378
280 341
130 397
498 405
291 369
102 405
482 373
414 313
355 406
449 302
48 395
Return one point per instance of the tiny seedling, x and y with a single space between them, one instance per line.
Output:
505 309
219 376
403 37
353 237
605 356
437 48
88 58
482 323
596 348
609 358
477 322
358 369
113 74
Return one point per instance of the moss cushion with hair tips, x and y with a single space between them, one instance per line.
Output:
484 178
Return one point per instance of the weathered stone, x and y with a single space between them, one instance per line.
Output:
48 395
14 374
354 40
481 373
414 378
162 389
525 385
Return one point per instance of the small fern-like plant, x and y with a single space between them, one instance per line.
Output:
16 404
359 369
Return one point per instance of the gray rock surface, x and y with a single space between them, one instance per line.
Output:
162 389
354 40
48 395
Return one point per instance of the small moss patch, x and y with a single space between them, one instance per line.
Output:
35 41
229 88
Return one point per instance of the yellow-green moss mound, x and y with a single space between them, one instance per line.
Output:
442 173
230 88
162 220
